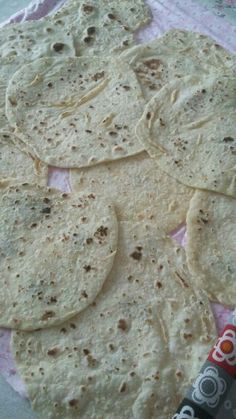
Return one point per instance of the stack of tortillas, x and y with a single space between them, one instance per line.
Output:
111 317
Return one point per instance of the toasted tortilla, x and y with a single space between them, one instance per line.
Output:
176 54
56 252
138 189
211 245
3 118
76 29
135 350
32 40
76 112
16 165
189 127
101 27
24 42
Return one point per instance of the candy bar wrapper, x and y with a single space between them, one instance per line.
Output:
213 383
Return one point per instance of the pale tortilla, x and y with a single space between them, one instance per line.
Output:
102 27
176 54
211 245
78 28
56 252
32 40
135 350
76 112
189 127
138 189
3 118
24 42
16 165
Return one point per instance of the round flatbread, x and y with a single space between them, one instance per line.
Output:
135 350
76 112
78 28
102 27
138 189
3 118
189 127
16 165
211 245
24 42
56 252
176 54
32 40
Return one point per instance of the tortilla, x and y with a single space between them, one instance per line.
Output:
200 47
102 27
134 351
211 245
76 112
3 118
24 42
138 189
32 40
8 67
16 165
174 55
76 29
56 252
189 128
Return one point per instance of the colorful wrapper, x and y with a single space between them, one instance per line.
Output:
214 382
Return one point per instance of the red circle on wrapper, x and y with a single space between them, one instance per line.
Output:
227 346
